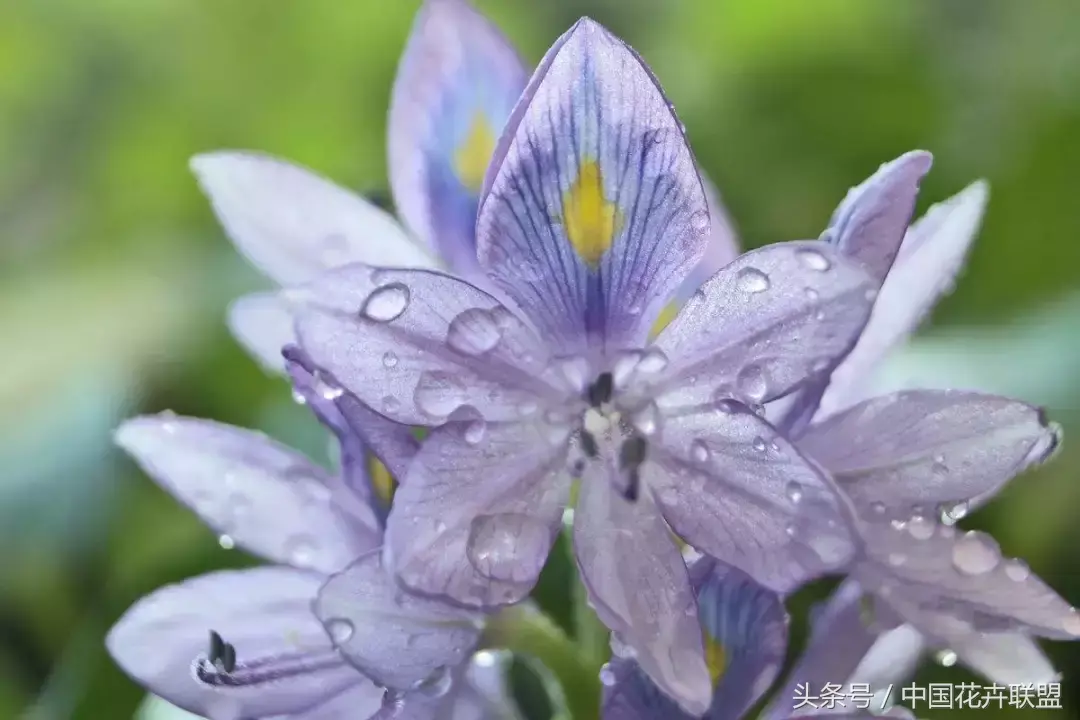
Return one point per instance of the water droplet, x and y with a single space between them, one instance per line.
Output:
327 388
819 365
619 647
727 407
1072 622
791 530
950 514
897 559
440 526
898 524
753 383
946 658
473 332
390 403
812 295
439 393
758 443
877 507
340 629
607 675
438 684
647 420
752 280
386 303
1017 570
794 492
921 528
939 469
813 260
527 408
389 359
653 361
297 396
474 431
485 659
498 546
699 451
226 542
975 554
300 550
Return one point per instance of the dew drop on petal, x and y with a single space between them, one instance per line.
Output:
752 280
898 523
946 658
811 294
897 559
1072 622
485 659
950 514
341 630
1017 570
498 546
300 550
752 383
386 303
473 332
297 396
794 492
438 684
814 260
226 542
975 554
439 393
390 403
474 431
327 388
727 407
652 362
699 451
607 676
647 420
758 443
920 528
389 359
877 507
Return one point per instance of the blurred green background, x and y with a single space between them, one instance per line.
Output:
114 276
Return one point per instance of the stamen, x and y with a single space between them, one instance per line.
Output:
600 392
632 454
633 486
228 658
217 648
588 444
227 672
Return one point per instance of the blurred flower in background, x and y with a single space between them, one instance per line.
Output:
114 277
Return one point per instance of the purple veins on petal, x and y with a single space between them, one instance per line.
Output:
593 213
266 498
456 85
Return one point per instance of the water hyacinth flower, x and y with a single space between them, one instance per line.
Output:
591 218
248 643
746 631
915 462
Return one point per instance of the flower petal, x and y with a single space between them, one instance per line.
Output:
416 346
765 323
1004 658
458 80
929 447
478 512
636 579
870 223
270 500
629 694
929 259
263 324
293 224
397 639
362 701
593 213
284 661
746 629
923 571
358 428
733 488
722 247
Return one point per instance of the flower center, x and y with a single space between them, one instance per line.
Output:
604 433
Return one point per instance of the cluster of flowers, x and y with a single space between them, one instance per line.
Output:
567 314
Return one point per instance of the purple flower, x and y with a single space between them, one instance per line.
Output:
915 462
249 643
591 218
746 631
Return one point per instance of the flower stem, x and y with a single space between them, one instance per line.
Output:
526 631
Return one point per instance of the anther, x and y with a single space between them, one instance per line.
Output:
588 444
632 454
217 648
228 658
633 486
600 392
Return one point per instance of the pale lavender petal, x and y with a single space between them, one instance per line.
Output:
929 260
416 346
870 223
767 322
357 427
722 247
629 694
270 500
284 660
263 324
397 639
478 512
750 626
362 701
638 583
925 570
293 224
733 488
593 213
1003 658
457 83
928 448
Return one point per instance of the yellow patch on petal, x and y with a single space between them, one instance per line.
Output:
382 482
590 220
664 319
715 658
474 153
